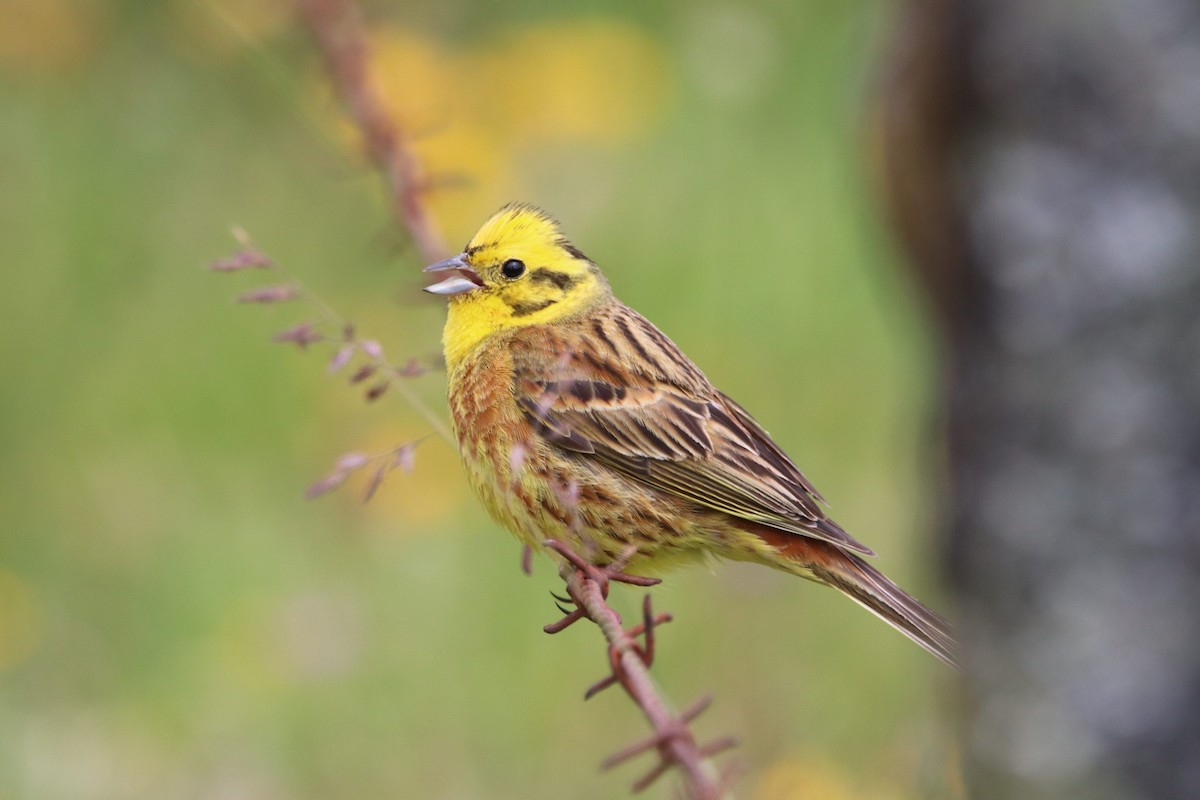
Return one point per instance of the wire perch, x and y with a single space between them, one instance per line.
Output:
587 588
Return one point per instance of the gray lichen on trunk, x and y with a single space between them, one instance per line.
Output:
1072 342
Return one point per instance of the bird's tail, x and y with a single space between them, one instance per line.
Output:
870 588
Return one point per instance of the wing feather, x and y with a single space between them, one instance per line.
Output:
682 437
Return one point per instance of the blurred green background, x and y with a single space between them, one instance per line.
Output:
177 621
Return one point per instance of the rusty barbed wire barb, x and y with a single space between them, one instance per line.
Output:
662 742
629 662
719 746
645 652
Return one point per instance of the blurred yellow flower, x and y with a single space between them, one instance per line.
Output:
472 112
417 76
466 161
805 778
597 81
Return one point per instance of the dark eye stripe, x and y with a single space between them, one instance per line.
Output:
560 279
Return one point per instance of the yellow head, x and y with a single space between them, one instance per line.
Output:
518 270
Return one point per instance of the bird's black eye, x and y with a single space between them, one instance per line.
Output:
513 268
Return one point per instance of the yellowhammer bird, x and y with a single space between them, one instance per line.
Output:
578 420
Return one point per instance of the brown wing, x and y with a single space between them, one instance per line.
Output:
680 436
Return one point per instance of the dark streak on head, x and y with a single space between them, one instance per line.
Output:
571 249
525 309
546 275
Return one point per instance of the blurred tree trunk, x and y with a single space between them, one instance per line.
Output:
1043 165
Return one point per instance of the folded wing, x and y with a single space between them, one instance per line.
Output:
700 446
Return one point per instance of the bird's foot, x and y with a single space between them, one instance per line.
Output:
602 576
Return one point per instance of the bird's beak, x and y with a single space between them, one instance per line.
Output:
461 277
